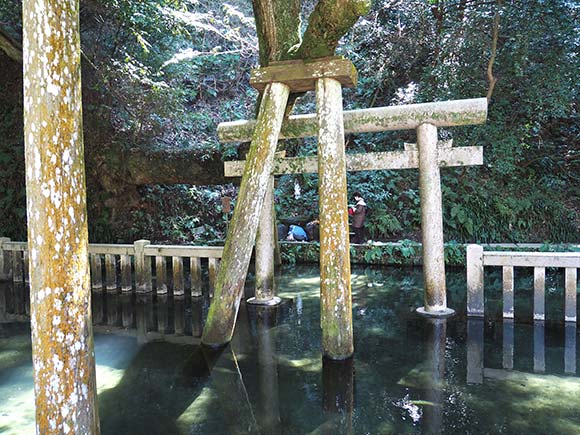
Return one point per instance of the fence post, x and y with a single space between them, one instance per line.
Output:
160 275
26 267
508 292
5 263
126 279
539 293
571 276
142 268
213 268
17 267
96 272
475 301
195 271
178 285
111 271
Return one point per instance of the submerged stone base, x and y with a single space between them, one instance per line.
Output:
275 300
446 312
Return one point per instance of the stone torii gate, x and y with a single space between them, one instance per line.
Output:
329 126
427 157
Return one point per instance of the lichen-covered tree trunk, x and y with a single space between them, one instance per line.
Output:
62 337
278 28
328 23
335 291
243 227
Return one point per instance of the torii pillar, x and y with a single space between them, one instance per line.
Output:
63 355
327 76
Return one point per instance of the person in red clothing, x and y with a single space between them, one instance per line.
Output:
358 211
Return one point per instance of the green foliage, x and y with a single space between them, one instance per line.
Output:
164 73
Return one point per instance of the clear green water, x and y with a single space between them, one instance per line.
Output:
408 375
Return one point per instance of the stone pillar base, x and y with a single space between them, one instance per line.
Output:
275 300
445 312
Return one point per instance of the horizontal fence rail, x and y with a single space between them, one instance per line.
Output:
477 258
140 266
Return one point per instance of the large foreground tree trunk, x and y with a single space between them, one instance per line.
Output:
63 354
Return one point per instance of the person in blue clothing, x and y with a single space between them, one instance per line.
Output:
297 233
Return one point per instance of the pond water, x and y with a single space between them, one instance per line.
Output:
409 374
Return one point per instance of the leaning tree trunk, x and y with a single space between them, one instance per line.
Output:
62 338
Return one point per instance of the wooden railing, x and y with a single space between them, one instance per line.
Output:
477 258
137 266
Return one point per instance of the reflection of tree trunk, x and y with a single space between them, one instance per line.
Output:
338 394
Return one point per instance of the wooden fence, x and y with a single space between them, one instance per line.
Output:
477 258
140 266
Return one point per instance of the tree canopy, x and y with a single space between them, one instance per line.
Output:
159 75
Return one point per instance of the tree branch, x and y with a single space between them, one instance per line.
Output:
12 48
328 23
490 77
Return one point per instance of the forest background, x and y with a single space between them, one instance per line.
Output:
160 75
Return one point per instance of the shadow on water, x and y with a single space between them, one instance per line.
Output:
409 374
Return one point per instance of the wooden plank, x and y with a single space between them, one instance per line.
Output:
26 266
458 156
96 271
532 259
570 279
475 298
301 75
184 251
15 246
142 267
17 266
195 276
213 267
178 283
539 293
5 261
111 271
405 117
160 275
126 284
